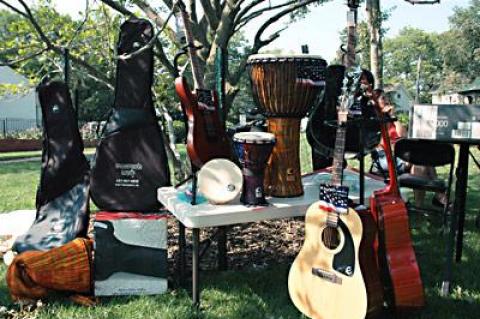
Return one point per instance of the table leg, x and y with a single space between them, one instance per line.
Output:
362 166
195 267
461 196
450 238
222 248
181 252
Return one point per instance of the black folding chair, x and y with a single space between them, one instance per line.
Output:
426 153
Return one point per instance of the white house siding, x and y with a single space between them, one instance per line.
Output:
20 111
448 98
400 98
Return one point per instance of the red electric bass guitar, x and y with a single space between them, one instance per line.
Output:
396 256
206 136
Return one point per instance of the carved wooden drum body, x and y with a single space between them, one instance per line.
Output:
286 87
253 150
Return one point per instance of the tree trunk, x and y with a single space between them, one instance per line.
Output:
374 22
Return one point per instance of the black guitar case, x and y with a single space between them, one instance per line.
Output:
62 194
320 131
131 161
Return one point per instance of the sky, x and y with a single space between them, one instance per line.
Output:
321 27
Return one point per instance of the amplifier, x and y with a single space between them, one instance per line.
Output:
452 123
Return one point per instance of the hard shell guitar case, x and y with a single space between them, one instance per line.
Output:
62 194
131 161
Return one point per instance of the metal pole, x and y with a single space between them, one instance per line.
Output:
181 252
4 128
417 84
362 165
76 93
220 66
66 66
222 248
461 196
195 267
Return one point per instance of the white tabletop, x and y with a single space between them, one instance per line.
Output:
209 215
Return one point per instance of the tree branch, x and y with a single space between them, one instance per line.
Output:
245 10
225 28
80 27
108 84
258 42
158 44
8 5
50 46
155 17
25 58
35 25
210 14
259 12
234 77
117 7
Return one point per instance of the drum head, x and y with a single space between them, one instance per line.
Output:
258 58
220 181
254 137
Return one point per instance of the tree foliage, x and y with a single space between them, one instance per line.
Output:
401 56
461 44
36 36
90 43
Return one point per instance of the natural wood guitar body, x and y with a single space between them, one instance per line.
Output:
369 264
340 296
404 288
396 256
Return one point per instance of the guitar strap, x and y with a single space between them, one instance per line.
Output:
131 161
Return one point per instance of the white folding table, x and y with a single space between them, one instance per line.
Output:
208 215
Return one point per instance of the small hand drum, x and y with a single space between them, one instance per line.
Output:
253 150
220 181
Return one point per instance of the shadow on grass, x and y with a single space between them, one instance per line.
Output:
430 245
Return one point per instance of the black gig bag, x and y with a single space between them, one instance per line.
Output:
131 161
62 194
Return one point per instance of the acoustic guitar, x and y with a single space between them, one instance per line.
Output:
396 256
325 280
206 136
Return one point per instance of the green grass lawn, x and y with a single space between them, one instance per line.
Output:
6 156
263 293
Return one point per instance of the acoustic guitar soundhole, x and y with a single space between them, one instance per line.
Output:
331 237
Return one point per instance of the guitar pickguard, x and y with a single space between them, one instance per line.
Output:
344 260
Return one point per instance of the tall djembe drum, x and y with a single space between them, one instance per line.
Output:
286 87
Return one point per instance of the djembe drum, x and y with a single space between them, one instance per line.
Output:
286 87
253 150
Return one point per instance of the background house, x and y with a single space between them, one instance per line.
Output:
400 97
18 111
466 94
447 97
471 92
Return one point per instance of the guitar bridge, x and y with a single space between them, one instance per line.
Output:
326 275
